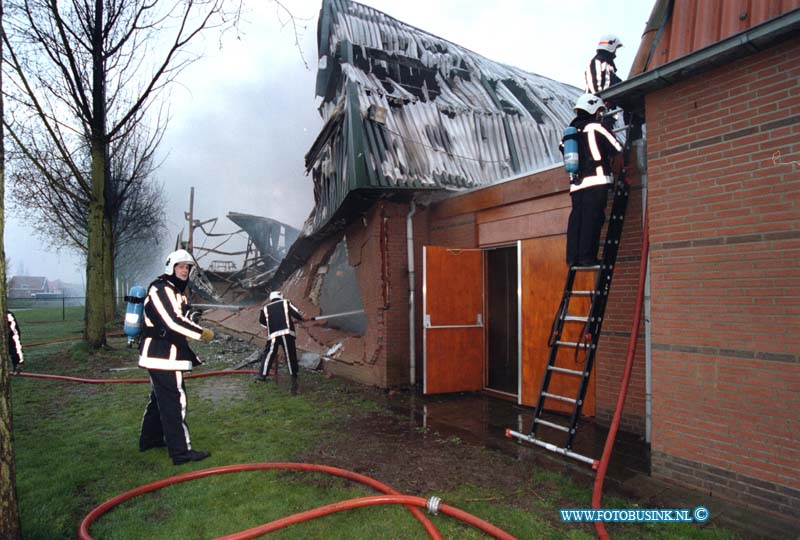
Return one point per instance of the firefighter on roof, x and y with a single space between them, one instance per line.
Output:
602 72
278 317
165 353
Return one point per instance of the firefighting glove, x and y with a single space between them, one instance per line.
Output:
207 335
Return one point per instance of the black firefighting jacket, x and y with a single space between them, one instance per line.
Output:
596 149
164 344
601 73
278 318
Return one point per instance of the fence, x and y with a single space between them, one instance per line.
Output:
60 308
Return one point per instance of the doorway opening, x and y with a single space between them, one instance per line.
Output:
502 330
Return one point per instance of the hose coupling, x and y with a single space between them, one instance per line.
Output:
433 505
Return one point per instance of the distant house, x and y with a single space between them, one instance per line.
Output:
27 286
68 290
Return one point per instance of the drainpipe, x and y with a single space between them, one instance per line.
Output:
648 392
412 363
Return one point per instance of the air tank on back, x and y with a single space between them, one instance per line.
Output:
133 313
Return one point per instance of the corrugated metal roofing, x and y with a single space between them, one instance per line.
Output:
453 119
690 25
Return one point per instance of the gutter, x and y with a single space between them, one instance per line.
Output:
641 155
630 94
412 361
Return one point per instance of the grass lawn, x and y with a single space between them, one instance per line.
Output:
77 446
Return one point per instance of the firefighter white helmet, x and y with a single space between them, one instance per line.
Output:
589 103
275 295
609 42
179 256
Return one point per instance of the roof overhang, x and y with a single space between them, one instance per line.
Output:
630 94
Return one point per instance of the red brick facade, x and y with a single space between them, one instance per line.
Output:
724 179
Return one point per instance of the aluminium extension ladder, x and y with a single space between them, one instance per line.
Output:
592 325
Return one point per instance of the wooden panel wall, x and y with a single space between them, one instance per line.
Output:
543 274
545 216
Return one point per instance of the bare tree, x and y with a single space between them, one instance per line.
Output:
134 201
83 74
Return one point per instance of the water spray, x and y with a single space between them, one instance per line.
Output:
333 315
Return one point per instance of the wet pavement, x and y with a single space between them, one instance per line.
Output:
482 420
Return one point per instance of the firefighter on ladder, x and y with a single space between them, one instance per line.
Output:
278 317
598 155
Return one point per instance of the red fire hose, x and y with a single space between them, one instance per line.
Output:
130 381
78 338
390 497
117 381
626 377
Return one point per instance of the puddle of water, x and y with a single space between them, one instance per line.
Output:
482 420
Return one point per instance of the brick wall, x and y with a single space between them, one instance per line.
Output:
725 236
614 341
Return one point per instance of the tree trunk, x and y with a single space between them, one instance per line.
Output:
95 264
95 268
108 267
9 509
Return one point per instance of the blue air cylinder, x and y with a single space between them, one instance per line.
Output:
133 313
571 160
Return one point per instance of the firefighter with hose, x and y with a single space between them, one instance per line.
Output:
278 317
165 354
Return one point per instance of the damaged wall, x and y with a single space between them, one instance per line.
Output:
530 207
374 245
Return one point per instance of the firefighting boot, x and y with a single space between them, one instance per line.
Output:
191 455
145 445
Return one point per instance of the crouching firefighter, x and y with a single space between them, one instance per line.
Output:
278 317
165 353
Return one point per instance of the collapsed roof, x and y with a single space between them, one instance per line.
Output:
271 237
267 243
405 111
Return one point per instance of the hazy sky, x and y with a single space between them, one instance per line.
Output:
244 116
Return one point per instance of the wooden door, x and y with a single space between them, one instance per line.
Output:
452 291
543 274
